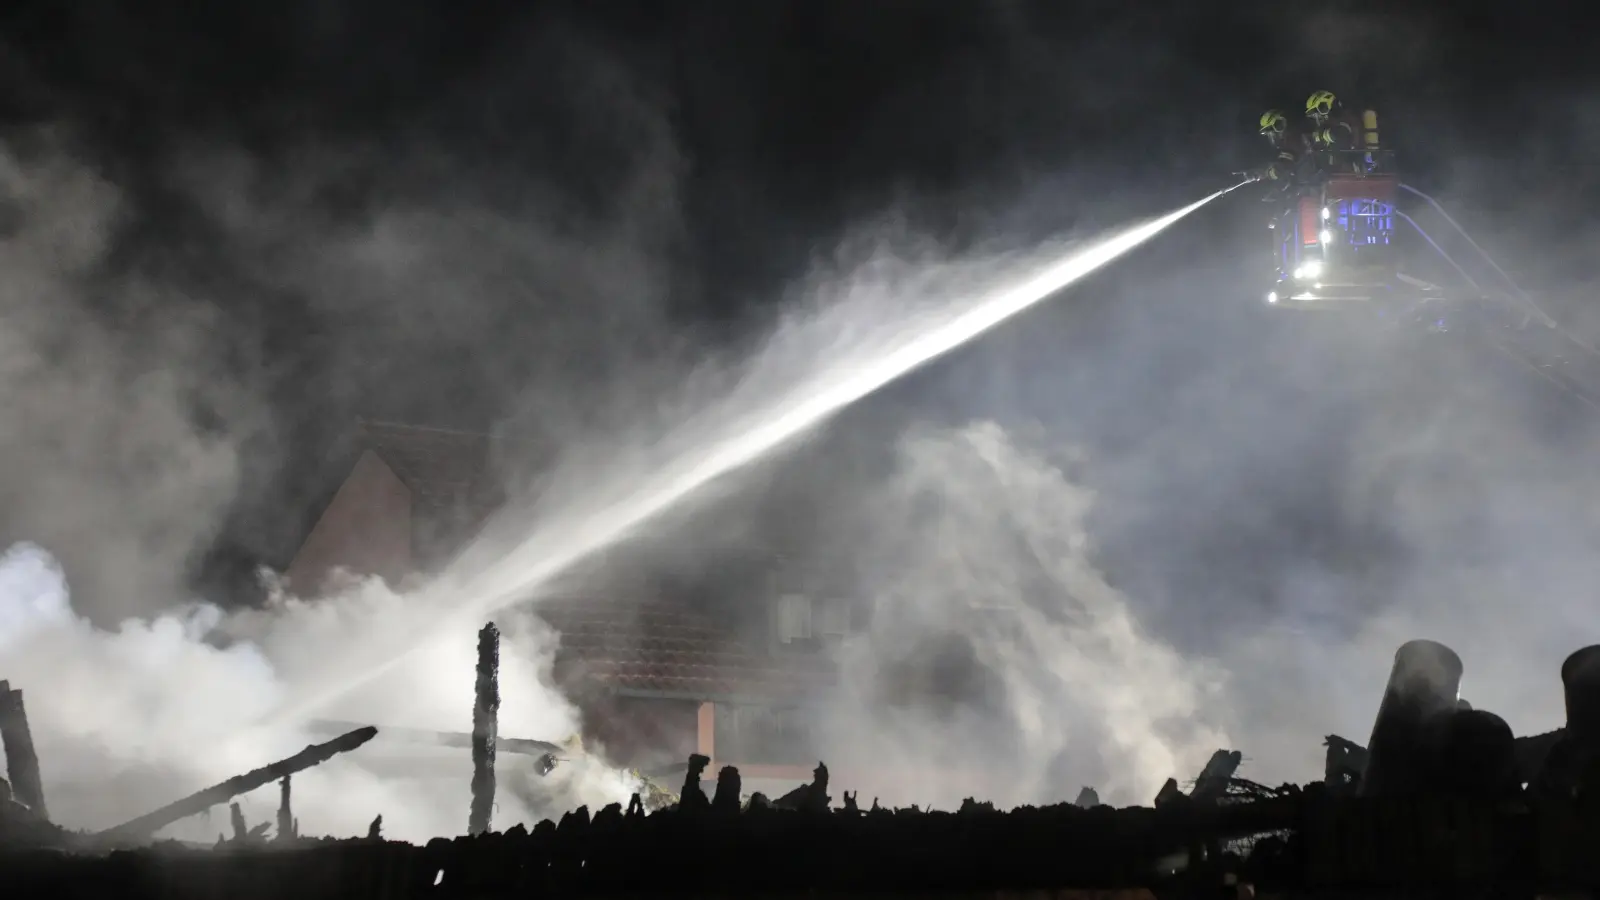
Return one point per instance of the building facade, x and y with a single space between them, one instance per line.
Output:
654 679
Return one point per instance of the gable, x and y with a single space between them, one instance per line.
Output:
450 477
365 529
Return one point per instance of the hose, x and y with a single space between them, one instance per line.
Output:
1542 373
1549 321
1496 343
1521 295
1440 250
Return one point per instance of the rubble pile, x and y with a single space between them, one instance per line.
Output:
1442 795
1179 849
24 827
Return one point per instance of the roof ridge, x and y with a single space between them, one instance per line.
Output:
406 426
364 422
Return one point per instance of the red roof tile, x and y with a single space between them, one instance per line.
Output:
667 648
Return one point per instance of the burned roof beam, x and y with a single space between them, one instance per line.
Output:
200 801
22 761
455 739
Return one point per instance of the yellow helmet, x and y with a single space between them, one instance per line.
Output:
1273 122
1320 103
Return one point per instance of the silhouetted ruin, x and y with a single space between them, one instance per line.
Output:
808 797
728 784
1444 800
693 797
1423 692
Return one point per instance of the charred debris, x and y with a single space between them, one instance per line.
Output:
1440 793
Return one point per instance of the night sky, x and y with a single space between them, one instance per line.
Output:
676 166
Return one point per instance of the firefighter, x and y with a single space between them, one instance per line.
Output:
1287 171
1335 134
1289 148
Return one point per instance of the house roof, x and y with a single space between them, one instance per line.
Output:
455 478
658 646
666 649
446 470
449 473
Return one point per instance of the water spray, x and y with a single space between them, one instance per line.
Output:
547 552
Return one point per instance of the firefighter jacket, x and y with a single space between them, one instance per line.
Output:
1340 131
1290 149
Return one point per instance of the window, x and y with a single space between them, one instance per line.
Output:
794 618
798 619
756 735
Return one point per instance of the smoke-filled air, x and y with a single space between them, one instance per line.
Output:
1086 510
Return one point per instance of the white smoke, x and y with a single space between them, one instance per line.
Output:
1061 686
165 705
977 554
106 468
101 456
148 712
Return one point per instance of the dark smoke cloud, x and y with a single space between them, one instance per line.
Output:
182 337
443 270
121 412
1204 527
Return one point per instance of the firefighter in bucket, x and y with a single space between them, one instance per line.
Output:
1342 140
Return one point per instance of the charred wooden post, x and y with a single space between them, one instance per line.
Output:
286 830
240 831
850 803
726 799
692 797
200 801
22 762
485 729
